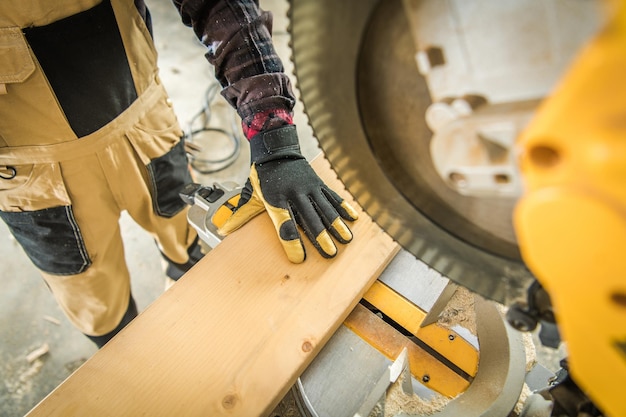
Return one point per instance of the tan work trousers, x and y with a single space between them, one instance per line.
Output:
98 176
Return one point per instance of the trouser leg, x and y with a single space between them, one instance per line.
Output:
129 315
176 270
176 239
94 188
96 300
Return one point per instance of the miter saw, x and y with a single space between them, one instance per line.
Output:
444 120
425 109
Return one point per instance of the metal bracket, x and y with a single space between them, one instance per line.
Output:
206 203
377 396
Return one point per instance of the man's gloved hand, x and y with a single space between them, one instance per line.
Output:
283 183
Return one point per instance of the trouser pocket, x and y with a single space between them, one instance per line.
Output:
51 239
157 142
35 205
168 174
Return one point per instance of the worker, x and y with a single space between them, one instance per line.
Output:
87 131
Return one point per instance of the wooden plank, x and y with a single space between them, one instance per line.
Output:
233 335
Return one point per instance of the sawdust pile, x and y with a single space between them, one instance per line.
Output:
398 402
530 350
19 378
519 406
460 311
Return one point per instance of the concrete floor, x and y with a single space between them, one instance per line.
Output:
29 316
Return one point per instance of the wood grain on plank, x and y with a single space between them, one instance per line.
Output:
233 335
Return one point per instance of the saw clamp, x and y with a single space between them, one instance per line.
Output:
210 208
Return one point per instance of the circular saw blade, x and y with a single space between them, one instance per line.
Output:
359 86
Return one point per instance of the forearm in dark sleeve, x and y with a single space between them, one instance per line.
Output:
239 44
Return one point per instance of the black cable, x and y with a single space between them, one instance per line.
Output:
199 164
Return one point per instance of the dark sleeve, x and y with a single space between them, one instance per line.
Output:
237 35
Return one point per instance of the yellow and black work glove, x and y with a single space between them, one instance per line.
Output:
283 183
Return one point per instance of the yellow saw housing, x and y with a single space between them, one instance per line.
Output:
571 222
368 96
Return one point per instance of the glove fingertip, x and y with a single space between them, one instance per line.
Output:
350 211
342 232
294 250
325 245
344 208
